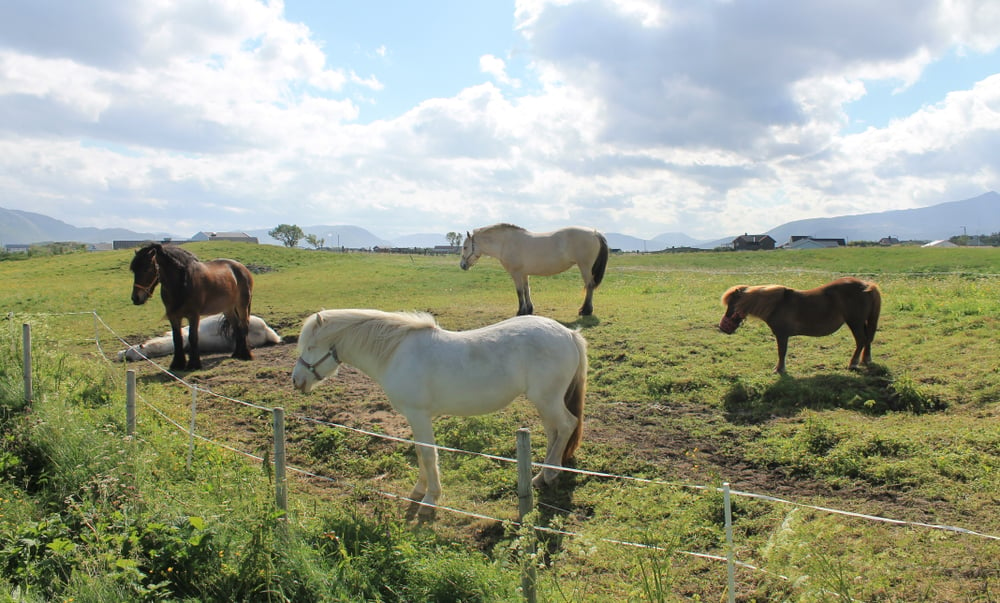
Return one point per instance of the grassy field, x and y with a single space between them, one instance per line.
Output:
914 438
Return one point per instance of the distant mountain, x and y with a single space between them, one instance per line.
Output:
979 215
25 227
673 239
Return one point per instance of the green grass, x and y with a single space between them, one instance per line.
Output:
670 398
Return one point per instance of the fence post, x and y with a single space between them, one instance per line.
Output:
194 407
280 485
130 402
29 394
730 553
525 503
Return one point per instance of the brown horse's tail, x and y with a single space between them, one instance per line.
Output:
871 324
601 263
575 397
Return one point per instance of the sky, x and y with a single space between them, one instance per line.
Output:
639 117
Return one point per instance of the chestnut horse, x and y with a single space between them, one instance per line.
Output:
814 312
523 253
191 289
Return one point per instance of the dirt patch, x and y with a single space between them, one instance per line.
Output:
657 435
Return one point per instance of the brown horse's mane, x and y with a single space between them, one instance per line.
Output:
756 300
174 263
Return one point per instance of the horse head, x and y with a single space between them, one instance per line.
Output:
470 255
147 273
306 373
733 317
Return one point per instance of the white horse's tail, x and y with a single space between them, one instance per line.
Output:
575 397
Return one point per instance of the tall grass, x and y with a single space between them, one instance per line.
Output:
670 398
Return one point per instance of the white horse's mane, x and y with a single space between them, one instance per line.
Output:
378 333
500 226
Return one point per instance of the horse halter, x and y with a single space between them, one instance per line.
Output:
152 285
469 260
312 367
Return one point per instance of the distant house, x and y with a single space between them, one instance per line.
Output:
16 248
887 241
239 237
804 242
749 242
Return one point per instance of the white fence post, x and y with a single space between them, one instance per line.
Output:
29 394
525 503
730 553
130 402
280 484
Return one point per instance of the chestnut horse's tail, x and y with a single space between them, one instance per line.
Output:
601 263
575 397
871 323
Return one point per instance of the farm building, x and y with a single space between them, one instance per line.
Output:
239 237
749 242
803 242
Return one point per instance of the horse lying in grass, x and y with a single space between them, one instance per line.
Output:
814 312
427 371
215 335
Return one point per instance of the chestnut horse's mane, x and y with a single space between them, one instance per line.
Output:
756 300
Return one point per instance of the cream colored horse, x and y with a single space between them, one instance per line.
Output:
214 335
427 371
523 253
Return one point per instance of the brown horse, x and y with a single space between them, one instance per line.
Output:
814 312
191 289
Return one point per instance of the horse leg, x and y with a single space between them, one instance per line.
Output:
782 340
588 302
194 356
524 305
862 345
427 456
559 425
241 332
178 363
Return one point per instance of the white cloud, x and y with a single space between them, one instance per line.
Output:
497 68
636 116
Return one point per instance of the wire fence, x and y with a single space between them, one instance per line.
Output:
281 487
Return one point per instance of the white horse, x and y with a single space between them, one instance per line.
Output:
427 371
523 253
214 335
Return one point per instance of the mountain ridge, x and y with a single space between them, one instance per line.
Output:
981 214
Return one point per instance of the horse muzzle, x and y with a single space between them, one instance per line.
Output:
729 324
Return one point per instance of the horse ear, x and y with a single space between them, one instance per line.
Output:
467 234
319 319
